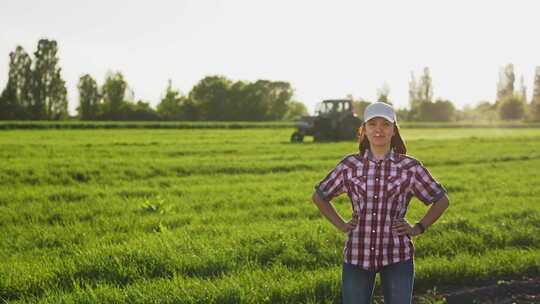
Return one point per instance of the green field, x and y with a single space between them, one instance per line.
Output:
75 124
224 216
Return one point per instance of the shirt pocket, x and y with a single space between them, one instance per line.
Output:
393 186
395 192
358 187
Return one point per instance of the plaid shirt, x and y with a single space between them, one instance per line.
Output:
380 191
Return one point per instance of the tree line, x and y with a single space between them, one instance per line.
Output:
214 98
35 90
510 104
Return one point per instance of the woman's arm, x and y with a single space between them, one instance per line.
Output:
432 215
331 214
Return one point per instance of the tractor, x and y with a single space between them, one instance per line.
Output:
335 120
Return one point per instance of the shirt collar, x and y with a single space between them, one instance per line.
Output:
391 155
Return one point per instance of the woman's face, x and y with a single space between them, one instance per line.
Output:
379 131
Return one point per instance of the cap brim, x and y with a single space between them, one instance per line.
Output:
390 119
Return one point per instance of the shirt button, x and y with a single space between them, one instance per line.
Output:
377 179
372 248
375 197
373 231
374 213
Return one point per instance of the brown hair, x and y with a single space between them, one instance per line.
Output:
397 142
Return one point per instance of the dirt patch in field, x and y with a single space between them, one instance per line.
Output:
502 291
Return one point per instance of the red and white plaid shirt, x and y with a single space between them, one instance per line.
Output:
380 192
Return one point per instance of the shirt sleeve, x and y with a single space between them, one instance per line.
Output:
333 184
425 187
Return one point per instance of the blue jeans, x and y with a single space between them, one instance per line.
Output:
396 279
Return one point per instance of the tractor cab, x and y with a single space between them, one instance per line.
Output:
333 106
334 120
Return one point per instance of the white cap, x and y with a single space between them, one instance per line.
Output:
380 109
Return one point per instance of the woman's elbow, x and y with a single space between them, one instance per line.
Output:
444 202
317 199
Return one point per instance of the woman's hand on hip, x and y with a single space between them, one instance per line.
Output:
404 228
348 226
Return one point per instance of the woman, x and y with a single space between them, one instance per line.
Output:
380 181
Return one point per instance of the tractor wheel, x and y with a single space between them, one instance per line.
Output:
297 137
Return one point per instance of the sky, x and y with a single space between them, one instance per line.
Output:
325 49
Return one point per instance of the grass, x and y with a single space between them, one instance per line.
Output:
75 124
224 216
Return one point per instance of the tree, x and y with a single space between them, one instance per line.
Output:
88 98
252 100
420 92
534 110
402 114
536 84
443 110
140 111
422 111
505 86
522 89
210 96
421 97
280 96
190 110
16 98
359 107
171 106
49 89
511 107
425 88
413 92
246 104
483 111
486 111
383 92
269 100
534 106
295 111
219 99
113 92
